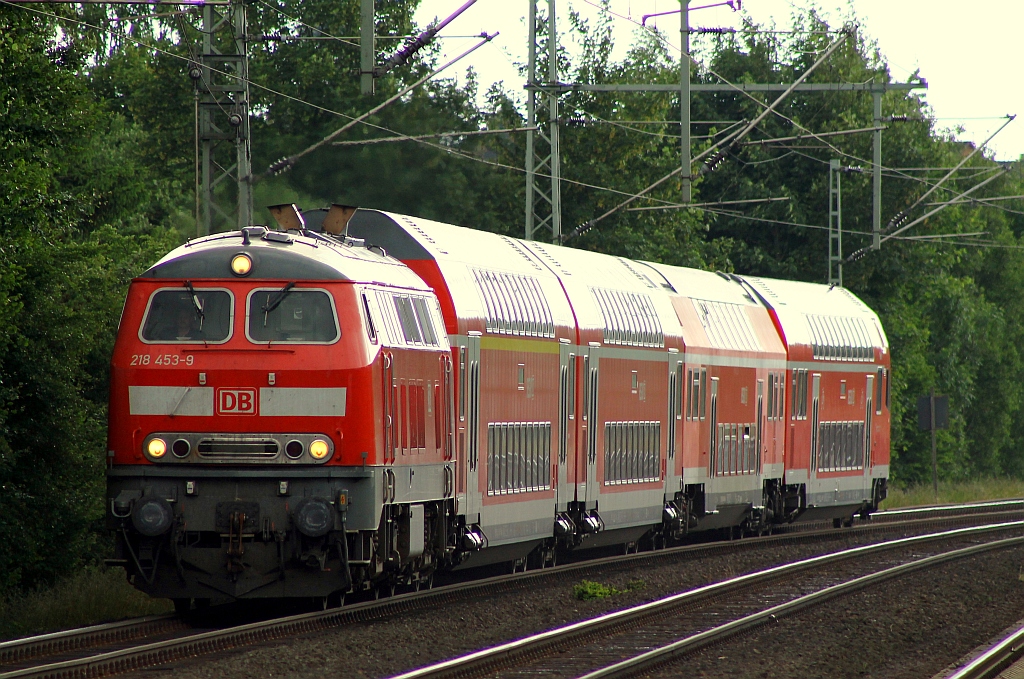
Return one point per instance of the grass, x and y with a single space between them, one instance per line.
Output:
588 590
977 490
89 597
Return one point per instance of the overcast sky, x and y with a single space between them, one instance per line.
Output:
967 51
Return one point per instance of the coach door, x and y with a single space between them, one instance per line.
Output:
715 435
389 389
815 393
469 404
591 425
758 435
869 409
566 425
675 423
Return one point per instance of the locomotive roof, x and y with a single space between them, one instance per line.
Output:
281 255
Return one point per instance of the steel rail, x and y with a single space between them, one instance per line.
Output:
504 655
25 648
1000 656
963 507
666 654
148 654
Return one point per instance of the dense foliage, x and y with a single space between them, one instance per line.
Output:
96 181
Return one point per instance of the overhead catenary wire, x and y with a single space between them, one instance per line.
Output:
657 35
710 165
586 226
624 126
863 251
725 144
890 172
456 133
448 150
324 33
799 137
683 206
289 161
445 149
963 161
943 206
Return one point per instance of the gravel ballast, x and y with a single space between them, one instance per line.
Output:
910 627
388 646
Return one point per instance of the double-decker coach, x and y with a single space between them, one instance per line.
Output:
731 397
837 413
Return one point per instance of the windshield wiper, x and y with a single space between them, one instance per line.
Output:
196 303
273 302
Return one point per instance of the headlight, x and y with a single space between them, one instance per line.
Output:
152 516
293 450
241 265
319 449
157 448
181 448
314 517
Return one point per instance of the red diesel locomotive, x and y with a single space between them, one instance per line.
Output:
361 400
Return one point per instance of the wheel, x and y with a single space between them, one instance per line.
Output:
182 606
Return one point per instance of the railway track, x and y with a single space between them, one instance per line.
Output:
1003 659
136 644
639 639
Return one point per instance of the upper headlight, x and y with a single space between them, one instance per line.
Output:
157 448
319 449
241 265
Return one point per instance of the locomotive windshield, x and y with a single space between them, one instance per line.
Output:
291 315
187 315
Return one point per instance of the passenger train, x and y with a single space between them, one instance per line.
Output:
357 399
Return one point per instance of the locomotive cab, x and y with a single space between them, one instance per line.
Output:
245 373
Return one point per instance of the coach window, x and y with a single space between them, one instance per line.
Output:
780 395
703 391
462 384
679 392
371 330
572 387
878 391
407 319
426 321
289 314
888 385
689 394
188 315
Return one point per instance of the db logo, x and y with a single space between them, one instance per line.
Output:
236 401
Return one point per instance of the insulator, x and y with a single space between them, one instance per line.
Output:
715 161
279 166
195 72
900 118
898 220
234 120
713 29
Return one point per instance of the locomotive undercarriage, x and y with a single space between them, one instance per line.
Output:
242 535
